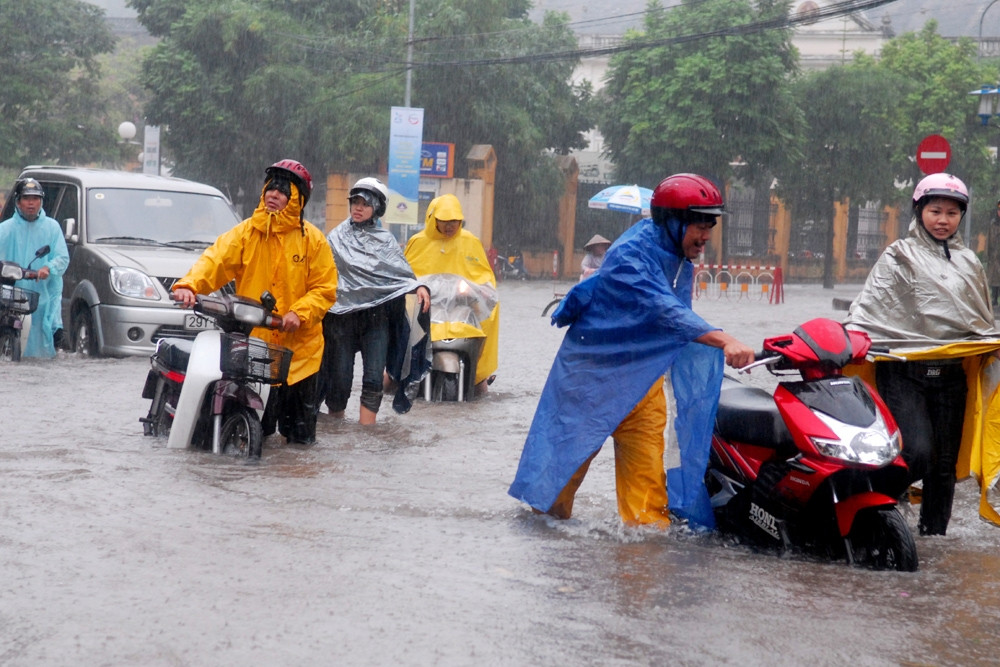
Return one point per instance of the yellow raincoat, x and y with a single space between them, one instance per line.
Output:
980 451
292 260
429 251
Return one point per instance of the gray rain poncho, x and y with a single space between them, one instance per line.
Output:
371 267
372 270
917 295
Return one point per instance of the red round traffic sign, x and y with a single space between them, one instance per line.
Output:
933 154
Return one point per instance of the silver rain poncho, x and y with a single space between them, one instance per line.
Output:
370 265
916 296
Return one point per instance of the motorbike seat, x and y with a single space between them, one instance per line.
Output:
175 352
749 415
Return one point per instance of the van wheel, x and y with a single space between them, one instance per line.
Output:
84 340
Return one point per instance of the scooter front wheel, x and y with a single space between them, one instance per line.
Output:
10 345
444 386
882 540
241 435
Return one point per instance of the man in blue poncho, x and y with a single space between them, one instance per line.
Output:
21 236
629 324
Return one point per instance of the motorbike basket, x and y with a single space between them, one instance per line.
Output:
17 299
253 359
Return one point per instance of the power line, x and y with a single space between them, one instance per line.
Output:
830 11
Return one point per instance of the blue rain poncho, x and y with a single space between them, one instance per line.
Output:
629 324
19 240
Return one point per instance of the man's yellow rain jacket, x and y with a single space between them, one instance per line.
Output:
279 253
429 251
980 451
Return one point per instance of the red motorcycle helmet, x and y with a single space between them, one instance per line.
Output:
297 173
687 193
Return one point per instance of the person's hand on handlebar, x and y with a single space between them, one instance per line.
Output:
737 354
43 273
184 296
290 322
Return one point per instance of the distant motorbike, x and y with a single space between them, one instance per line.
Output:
210 393
16 306
458 306
817 464
511 266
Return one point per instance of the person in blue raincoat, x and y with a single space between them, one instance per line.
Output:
21 236
629 325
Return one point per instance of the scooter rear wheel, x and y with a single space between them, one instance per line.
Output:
241 435
883 541
10 346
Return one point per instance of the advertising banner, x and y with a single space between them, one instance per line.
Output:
406 129
437 160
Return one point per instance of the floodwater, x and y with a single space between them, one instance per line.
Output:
397 544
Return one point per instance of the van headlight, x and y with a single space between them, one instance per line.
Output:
871 445
133 283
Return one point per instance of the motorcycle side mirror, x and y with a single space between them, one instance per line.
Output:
41 252
268 301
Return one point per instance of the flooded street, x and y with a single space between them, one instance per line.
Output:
398 544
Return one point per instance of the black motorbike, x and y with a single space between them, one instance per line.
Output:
16 304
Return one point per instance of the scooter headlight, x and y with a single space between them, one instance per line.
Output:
11 271
248 313
872 445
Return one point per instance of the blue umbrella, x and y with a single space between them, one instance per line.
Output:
625 198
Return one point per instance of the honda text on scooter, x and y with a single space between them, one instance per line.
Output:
210 393
817 464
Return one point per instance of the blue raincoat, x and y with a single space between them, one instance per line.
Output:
628 325
19 240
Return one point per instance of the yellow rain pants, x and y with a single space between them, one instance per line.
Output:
640 480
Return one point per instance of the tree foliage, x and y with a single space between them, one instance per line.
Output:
49 107
240 84
942 73
851 146
702 105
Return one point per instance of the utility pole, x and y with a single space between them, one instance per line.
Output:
409 58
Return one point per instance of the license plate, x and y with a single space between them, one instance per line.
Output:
197 323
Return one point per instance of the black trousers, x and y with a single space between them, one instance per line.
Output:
292 409
927 399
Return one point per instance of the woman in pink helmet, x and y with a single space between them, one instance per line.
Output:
928 290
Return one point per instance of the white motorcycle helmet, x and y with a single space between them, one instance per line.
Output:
373 191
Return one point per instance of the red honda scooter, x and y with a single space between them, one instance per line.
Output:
816 465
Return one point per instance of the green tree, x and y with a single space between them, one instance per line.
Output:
942 73
49 107
240 83
702 105
527 112
851 147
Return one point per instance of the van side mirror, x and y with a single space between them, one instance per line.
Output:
70 232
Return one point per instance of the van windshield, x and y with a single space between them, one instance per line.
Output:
156 217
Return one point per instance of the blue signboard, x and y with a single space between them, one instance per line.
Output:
437 160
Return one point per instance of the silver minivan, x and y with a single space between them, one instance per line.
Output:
130 237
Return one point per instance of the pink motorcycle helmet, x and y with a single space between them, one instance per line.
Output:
941 185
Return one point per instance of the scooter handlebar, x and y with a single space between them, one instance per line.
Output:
761 359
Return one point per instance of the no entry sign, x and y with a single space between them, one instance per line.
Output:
933 154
